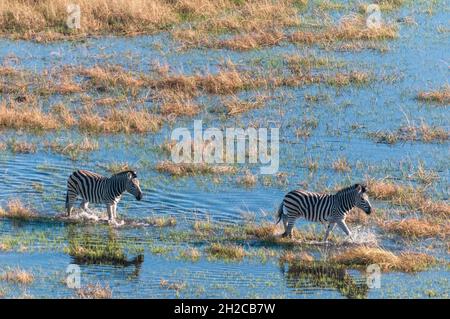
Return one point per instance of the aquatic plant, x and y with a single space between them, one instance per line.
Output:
162 221
416 228
191 169
18 276
388 261
226 251
441 96
15 209
94 291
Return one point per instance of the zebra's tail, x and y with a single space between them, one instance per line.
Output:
279 213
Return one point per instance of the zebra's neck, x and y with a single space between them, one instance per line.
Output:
344 202
116 186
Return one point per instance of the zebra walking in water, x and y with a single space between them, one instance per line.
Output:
316 207
95 188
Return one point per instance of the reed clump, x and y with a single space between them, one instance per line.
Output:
413 228
18 276
192 169
94 291
226 251
441 96
162 221
15 209
364 256
408 196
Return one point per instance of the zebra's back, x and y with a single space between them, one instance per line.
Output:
88 185
312 206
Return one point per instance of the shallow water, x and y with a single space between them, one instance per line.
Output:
418 59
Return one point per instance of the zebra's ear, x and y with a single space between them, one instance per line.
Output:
359 188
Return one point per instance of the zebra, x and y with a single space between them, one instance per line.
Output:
95 188
316 207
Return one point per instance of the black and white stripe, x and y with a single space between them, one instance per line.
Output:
316 207
95 188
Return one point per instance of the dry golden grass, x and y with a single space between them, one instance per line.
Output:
13 116
18 276
96 291
234 105
162 221
248 179
363 256
110 76
423 132
441 96
46 20
72 148
127 120
177 103
177 286
192 254
4 246
341 165
250 41
16 210
22 147
417 228
407 196
265 232
291 257
353 27
343 79
190 169
226 251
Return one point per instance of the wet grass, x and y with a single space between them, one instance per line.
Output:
17 276
94 291
158 221
226 251
414 228
15 209
441 96
423 133
413 198
92 249
192 169
386 260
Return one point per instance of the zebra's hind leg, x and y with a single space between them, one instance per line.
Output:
288 230
330 228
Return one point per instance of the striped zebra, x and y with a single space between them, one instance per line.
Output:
95 188
316 207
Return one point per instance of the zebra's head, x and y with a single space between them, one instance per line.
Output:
132 185
362 200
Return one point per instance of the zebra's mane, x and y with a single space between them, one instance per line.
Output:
133 173
349 188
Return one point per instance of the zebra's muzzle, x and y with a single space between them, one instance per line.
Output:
139 196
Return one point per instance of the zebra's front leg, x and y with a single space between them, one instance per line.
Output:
342 225
84 205
330 228
110 210
288 229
